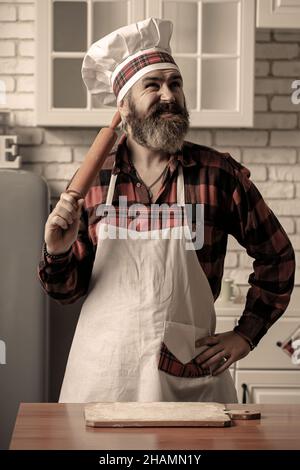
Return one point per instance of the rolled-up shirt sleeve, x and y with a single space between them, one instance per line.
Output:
257 229
67 278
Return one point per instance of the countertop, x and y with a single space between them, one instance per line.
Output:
62 426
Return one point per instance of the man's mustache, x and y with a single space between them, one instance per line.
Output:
172 108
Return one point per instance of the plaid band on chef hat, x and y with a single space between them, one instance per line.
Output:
115 62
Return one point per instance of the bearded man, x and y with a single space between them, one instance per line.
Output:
146 331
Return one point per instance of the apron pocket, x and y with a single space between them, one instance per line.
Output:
178 351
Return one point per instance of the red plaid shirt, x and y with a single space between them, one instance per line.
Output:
232 205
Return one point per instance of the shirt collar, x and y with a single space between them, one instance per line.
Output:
122 162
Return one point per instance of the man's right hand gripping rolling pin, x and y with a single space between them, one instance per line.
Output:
62 225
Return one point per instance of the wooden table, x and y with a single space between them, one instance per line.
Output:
62 426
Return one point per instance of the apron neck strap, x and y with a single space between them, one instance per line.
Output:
111 188
180 186
179 192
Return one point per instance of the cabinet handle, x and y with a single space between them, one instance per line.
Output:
245 393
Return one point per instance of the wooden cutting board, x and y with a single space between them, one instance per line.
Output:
161 414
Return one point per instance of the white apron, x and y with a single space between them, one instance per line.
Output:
142 291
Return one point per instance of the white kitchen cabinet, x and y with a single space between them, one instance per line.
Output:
280 387
212 42
267 374
268 355
278 14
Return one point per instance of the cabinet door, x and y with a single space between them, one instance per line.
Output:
278 14
65 31
269 387
213 44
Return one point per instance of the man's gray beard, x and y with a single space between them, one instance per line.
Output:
157 133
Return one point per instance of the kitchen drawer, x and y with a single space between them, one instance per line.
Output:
269 386
267 355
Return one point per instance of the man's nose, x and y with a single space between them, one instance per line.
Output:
166 94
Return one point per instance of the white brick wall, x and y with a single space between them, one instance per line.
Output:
287 138
284 173
26 48
9 82
7 49
15 30
276 191
69 136
262 68
249 137
269 156
17 63
277 51
273 86
260 103
47 154
271 150
16 66
258 172
25 83
286 68
288 224
26 13
275 120
8 13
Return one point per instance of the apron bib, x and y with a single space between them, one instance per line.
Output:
146 289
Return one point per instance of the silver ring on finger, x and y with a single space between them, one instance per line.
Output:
225 359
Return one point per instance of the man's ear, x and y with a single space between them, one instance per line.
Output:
123 107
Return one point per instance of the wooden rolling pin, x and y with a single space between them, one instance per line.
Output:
94 159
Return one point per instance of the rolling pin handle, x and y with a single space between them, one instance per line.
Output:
243 414
115 120
94 159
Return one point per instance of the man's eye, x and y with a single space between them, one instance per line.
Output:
176 84
151 85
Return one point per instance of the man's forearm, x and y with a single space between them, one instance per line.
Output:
267 300
65 279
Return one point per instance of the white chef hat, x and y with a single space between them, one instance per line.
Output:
115 62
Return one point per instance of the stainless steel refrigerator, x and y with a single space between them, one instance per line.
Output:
24 208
